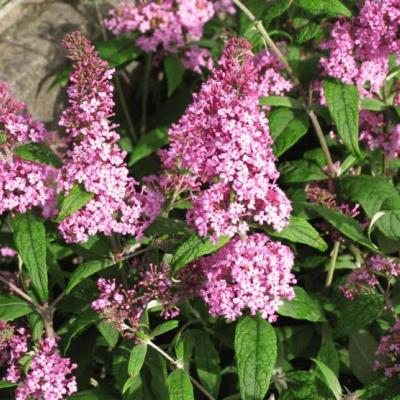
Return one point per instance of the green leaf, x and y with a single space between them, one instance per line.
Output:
330 379
362 349
118 50
37 152
369 191
312 6
302 307
302 386
179 386
6 385
168 226
256 353
149 143
300 231
76 199
344 224
164 327
301 171
355 315
275 9
136 359
281 101
373 104
336 8
30 240
13 307
343 104
85 270
207 363
308 32
109 333
194 248
287 127
327 352
158 369
174 72
375 194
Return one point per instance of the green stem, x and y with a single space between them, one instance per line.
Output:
332 264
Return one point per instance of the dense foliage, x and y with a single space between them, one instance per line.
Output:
218 214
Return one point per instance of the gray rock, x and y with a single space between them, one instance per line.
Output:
30 52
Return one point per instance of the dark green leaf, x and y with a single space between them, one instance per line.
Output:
30 240
37 152
77 325
193 248
327 352
308 32
174 72
13 307
343 103
109 333
136 359
344 224
302 307
85 270
76 199
301 231
149 143
179 386
355 315
164 327
375 194
207 363
301 171
336 8
118 50
168 226
302 386
6 385
287 127
255 352
362 349
330 379
275 9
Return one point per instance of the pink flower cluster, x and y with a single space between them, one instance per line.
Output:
359 48
169 26
223 142
124 306
364 279
23 184
13 345
95 161
374 134
49 376
252 274
389 347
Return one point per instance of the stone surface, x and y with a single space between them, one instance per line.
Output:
30 51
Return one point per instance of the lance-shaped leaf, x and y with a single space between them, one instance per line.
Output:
343 103
30 240
256 352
